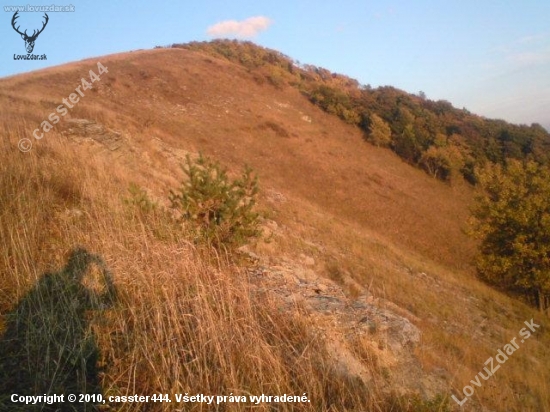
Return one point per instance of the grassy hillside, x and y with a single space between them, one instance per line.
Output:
188 319
433 135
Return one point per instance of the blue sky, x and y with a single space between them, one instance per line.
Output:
490 56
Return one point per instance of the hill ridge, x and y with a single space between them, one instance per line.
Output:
432 135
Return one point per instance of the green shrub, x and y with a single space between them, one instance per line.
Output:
215 209
379 131
276 78
139 198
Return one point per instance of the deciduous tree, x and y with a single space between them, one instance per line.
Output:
379 131
512 219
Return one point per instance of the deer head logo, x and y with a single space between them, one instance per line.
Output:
29 40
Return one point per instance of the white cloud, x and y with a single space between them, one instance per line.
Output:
530 58
243 29
530 39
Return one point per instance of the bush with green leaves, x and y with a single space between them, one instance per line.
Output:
512 221
214 208
139 198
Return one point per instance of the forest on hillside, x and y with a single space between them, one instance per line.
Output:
445 141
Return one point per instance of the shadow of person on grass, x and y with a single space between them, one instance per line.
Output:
48 346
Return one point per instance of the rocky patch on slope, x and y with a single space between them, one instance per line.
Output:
84 129
368 339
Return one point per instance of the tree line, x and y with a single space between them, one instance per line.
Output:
444 141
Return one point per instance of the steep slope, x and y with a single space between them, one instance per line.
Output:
195 102
362 248
433 135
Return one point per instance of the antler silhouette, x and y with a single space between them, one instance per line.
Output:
34 36
15 16
29 40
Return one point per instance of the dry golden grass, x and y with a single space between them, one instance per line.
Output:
186 320
463 321
200 103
